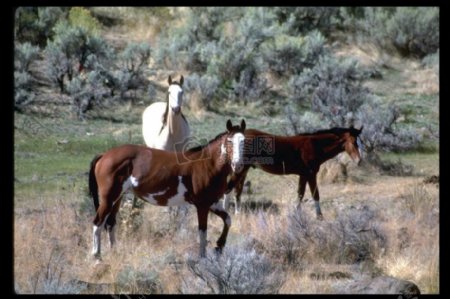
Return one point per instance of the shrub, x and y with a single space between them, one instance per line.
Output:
432 61
86 90
305 19
34 24
81 17
353 237
381 131
67 54
133 281
23 90
24 55
334 87
237 271
411 31
132 67
201 89
289 55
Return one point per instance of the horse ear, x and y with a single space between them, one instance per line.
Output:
181 80
360 130
243 124
170 80
229 125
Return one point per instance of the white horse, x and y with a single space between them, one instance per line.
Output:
163 124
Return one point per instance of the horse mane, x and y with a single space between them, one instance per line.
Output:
335 130
166 113
200 147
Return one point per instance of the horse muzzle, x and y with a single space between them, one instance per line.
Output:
237 167
176 110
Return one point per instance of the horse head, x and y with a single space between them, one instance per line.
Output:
175 94
233 147
352 143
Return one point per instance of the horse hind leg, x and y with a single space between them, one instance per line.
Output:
111 222
103 212
99 222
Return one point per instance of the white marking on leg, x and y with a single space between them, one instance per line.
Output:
225 202
202 234
96 232
228 220
217 207
317 205
97 238
237 205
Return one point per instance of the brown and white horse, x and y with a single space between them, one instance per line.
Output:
301 154
163 178
163 124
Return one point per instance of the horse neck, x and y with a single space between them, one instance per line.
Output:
333 149
211 158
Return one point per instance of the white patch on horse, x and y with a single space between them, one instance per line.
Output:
217 207
130 182
150 198
175 98
179 198
134 181
238 149
223 150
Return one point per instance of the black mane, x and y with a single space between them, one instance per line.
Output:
200 147
335 130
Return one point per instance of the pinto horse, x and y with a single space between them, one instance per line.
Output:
197 176
301 154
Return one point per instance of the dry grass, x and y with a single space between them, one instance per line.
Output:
401 76
52 244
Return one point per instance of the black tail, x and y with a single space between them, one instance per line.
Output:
93 187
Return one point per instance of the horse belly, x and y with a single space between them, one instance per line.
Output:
172 195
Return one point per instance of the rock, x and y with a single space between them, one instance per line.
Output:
332 171
380 285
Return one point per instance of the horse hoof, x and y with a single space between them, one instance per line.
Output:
320 217
218 250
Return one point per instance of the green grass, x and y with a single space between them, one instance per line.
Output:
425 164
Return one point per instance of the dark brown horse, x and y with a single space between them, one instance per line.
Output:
301 154
197 177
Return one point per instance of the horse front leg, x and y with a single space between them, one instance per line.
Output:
301 189
219 211
202 215
312 182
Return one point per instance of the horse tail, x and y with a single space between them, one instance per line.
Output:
93 187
